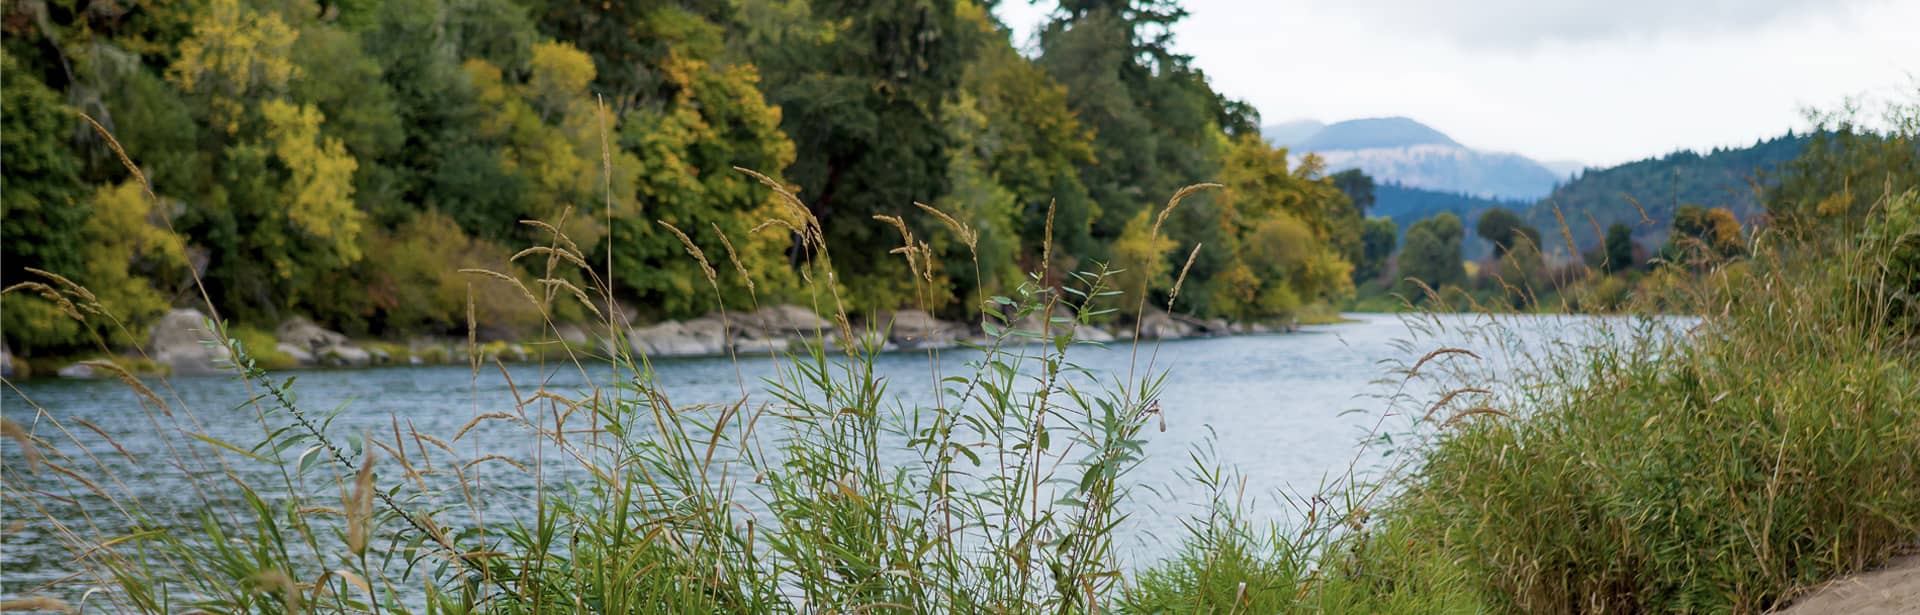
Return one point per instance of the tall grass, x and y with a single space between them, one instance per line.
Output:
1726 467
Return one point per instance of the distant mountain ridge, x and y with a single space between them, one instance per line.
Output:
1404 151
1655 187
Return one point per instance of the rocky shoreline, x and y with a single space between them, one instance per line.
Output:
180 345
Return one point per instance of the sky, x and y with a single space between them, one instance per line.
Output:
1594 81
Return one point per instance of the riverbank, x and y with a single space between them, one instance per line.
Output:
179 345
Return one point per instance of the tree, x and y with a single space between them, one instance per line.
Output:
1377 240
1358 187
861 99
1432 255
1505 230
1619 249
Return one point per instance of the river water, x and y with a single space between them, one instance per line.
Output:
1288 411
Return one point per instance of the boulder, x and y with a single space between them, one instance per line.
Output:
344 355
918 329
572 334
181 341
303 333
6 361
1037 322
326 347
1156 324
785 321
700 336
300 355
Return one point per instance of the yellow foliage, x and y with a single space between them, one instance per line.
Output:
232 52
319 189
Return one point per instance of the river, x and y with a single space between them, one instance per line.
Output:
1286 410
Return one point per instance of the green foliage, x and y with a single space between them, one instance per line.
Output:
1648 193
313 156
1847 168
1378 238
1618 252
1505 230
1431 256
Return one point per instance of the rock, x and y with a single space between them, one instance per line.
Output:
380 356
181 341
1037 322
700 336
1213 327
303 333
79 370
343 355
6 361
785 319
918 329
872 341
327 347
300 355
572 334
1158 325
1090 333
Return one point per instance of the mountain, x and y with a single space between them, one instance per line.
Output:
1724 177
1290 134
1415 155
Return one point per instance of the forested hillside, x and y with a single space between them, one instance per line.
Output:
345 160
1730 178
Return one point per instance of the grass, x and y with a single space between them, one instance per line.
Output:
1724 467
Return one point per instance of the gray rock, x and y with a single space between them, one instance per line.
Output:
304 334
78 370
572 334
344 355
782 321
330 348
181 341
700 336
1158 325
918 329
6 361
300 355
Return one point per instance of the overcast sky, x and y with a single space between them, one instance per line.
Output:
1597 81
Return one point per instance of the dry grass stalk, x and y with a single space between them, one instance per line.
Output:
551 283
524 292
274 581
28 447
1472 412
1448 398
128 378
966 233
48 604
556 233
485 458
59 300
693 250
476 421
71 286
734 257
563 253
1437 353
1179 196
359 507
103 434
1177 282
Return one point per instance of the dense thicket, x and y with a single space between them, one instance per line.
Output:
344 160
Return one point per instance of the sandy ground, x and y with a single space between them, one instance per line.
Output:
1893 589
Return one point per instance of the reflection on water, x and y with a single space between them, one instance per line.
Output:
1272 406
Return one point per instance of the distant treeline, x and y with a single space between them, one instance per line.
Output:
345 160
